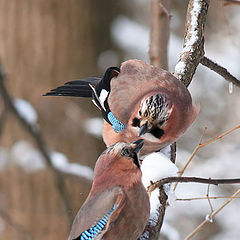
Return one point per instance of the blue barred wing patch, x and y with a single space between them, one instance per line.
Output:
95 229
116 124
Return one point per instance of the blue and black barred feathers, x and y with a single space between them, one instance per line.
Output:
92 232
116 124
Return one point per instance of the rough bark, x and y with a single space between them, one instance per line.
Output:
193 47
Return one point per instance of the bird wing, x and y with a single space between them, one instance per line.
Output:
95 215
76 88
137 79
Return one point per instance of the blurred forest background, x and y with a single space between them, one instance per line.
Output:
46 43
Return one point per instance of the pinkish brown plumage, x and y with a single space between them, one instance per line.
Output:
138 101
133 90
117 206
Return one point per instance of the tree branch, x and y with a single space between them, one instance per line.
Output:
190 57
229 2
202 198
17 226
201 145
216 182
193 47
220 70
212 215
38 139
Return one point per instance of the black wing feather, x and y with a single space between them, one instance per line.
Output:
76 88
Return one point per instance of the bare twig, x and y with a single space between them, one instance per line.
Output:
17 226
193 51
219 137
209 202
165 9
202 198
229 2
191 157
201 145
220 70
192 234
163 181
38 139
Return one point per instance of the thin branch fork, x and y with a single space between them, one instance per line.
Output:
216 182
212 215
201 145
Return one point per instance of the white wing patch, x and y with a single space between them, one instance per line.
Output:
103 95
94 91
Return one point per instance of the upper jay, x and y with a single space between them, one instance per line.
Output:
137 100
117 206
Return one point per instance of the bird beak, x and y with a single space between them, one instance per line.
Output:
143 130
137 145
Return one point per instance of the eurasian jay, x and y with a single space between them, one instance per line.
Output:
117 206
137 100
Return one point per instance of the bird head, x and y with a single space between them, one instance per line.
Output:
153 114
127 152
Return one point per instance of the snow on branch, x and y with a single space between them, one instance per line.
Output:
193 47
220 70
190 57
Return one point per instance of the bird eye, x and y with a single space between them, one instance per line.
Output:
136 122
125 152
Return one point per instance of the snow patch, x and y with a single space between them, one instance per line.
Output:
25 156
131 36
180 67
166 151
170 232
193 27
154 205
208 218
26 110
94 126
156 166
60 162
